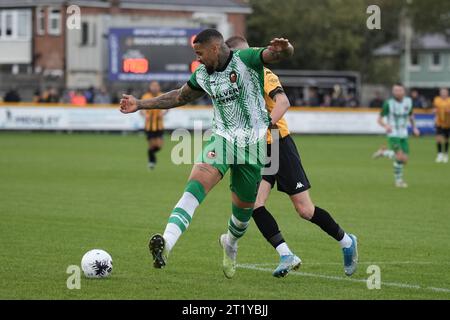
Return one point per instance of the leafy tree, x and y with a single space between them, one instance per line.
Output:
332 34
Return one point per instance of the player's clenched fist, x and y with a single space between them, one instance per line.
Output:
128 104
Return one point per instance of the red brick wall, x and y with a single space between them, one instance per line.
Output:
238 23
49 50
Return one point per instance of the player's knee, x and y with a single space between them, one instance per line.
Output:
258 204
401 157
207 175
305 210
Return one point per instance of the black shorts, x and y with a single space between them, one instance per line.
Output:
154 134
291 177
443 132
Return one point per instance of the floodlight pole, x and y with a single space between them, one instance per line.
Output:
408 34
408 40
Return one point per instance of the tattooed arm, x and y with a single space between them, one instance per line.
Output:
278 50
172 99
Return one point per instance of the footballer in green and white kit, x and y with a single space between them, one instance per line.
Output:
395 116
235 82
240 119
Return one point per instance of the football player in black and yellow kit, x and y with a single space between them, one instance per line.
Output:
154 125
292 180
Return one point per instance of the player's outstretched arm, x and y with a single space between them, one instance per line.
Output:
279 49
172 99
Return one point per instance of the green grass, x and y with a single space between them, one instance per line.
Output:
61 195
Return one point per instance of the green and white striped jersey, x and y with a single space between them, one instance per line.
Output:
237 93
397 115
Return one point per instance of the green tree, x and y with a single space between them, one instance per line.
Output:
332 34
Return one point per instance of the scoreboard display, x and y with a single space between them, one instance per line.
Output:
145 54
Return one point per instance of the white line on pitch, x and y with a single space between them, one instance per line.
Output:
368 263
315 275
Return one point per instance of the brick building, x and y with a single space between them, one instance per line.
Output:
37 48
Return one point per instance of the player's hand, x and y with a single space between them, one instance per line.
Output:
416 132
388 128
128 104
279 44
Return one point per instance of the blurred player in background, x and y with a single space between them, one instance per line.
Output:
291 179
397 111
154 126
442 108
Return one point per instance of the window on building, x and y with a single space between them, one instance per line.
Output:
88 34
436 59
84 34
15 24
40 21
8 16
23 24
54 21
414 62
415 59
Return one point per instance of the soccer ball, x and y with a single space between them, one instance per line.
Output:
96 263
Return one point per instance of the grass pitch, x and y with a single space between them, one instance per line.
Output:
61 195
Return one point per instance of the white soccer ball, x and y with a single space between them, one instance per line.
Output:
96 263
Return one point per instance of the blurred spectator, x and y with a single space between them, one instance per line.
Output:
351 101
377 101
11 96
116 98
89 94
77 98
53 95
67 96
49 96
102 96
417 100
36 95
338 99
326 101
313 98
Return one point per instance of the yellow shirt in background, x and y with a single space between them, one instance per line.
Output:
442 112
153 118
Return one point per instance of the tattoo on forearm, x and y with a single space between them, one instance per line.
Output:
164 101
171 99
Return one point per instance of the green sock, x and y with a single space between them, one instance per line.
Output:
238 223
398 171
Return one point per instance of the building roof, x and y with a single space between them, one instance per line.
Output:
425 42
229 6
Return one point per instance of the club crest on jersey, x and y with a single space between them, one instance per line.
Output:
233 77
211 155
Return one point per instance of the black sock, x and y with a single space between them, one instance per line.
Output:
268 226
151 155
327 224
446 147
439 147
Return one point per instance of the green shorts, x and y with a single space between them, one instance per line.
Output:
245 164
399 144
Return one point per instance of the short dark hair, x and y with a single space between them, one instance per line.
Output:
207 35
399 84
234 41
